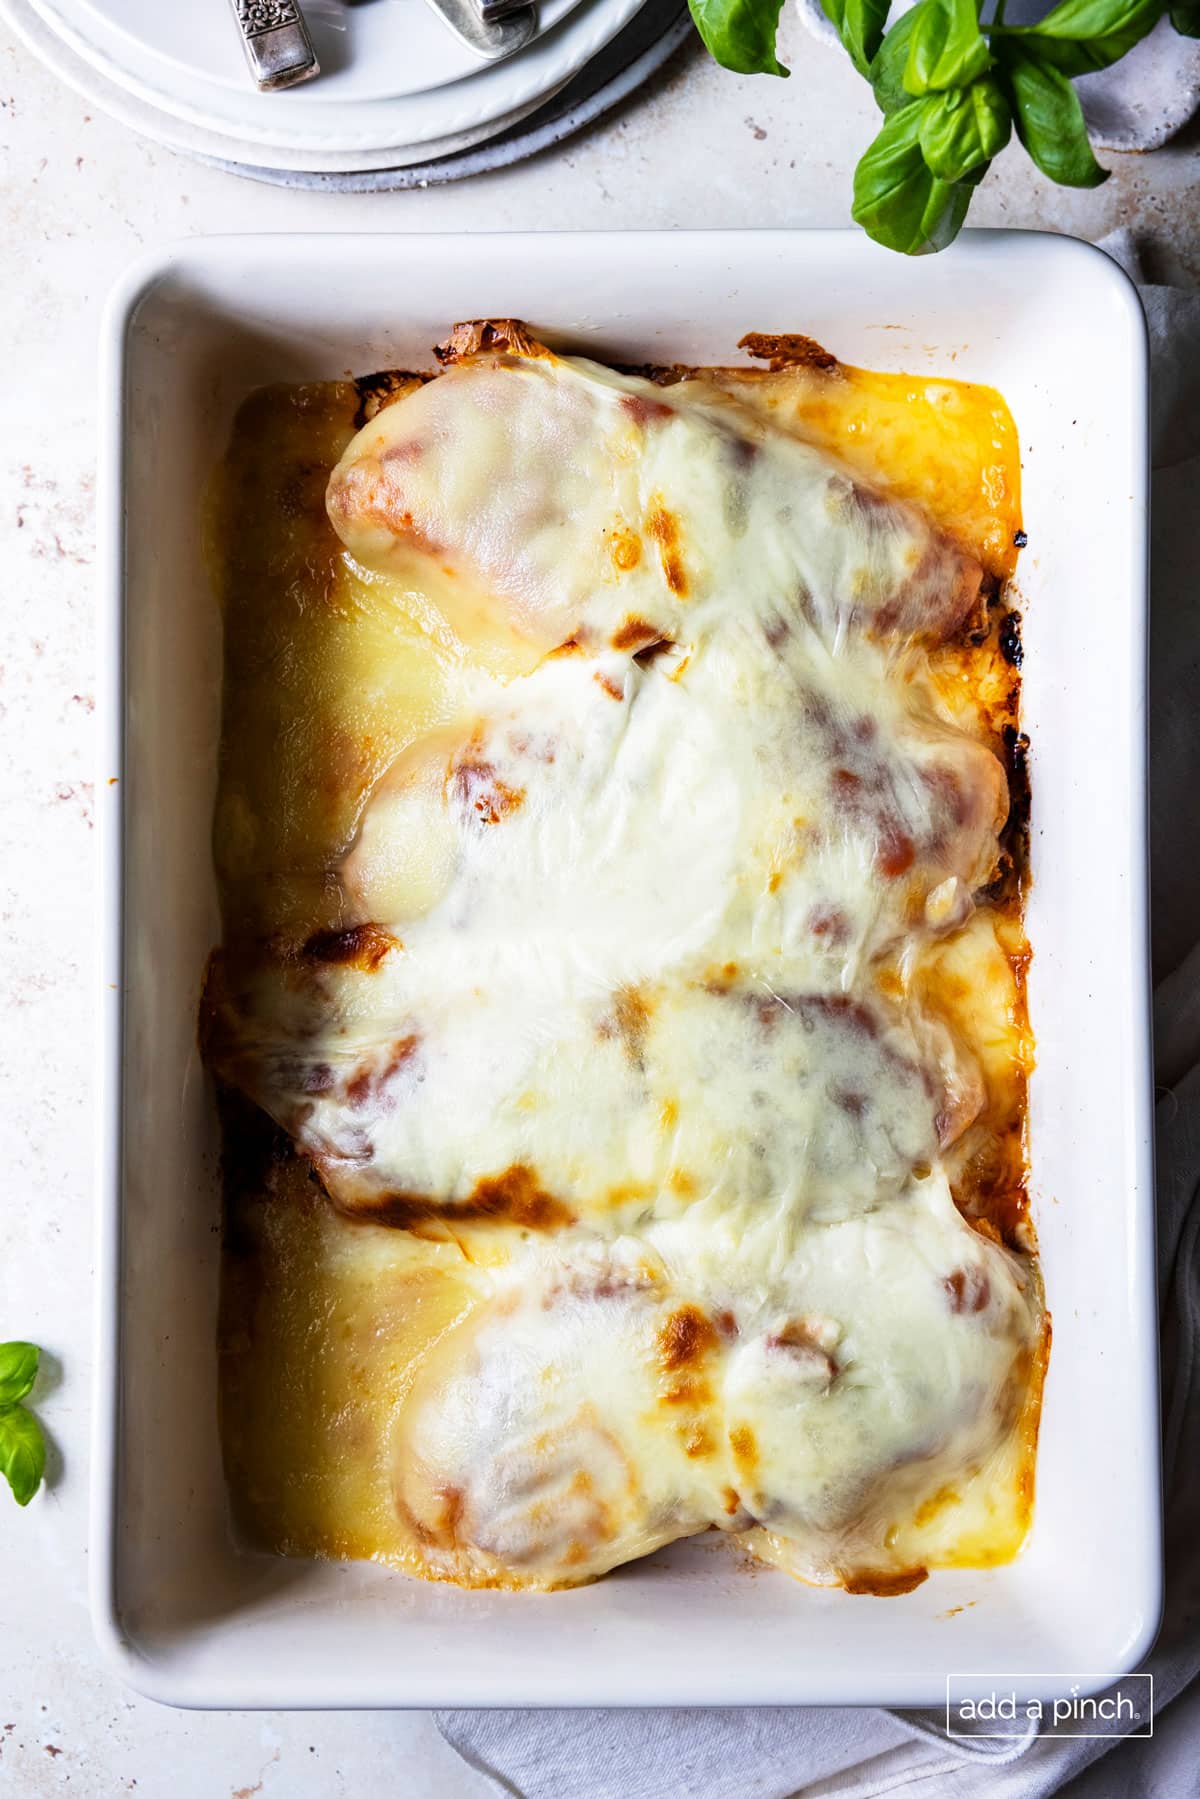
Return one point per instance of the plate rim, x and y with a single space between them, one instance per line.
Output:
545 66
236 85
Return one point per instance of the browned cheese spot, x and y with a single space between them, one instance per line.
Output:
405 449
884 1584
645 411
518 1195
450 1511
896 852
624 549
686 1338
797 1339
663 527
360 946
830 922
744 1445
625 1192
478 787
649 656
839 1009
514 1197
686 1389
380 498
635 634
629 1020
442 1529
795 1334
937 1502
368 1081
968 1290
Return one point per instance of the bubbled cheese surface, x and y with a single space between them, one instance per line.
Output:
638 1004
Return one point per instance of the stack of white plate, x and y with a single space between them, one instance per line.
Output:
396 89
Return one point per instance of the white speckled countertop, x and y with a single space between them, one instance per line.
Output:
80 198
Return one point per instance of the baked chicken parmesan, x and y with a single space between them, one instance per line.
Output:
619 1024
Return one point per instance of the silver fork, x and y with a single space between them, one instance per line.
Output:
276 41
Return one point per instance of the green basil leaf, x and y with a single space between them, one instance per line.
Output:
965 127
1049 119
860 25
947 48
1082 35
1186 18
1088 18
22 1453
891 59
18 1369
740 34
897 200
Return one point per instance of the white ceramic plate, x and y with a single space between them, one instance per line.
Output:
635 54
297 125
182 1612
375 50
194 140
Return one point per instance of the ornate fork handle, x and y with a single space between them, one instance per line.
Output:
276 41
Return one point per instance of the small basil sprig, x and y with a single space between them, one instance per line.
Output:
897 197
740 34
22 1446
860 25
889 66
1050 120
1082 35
946 48
965 127
952 87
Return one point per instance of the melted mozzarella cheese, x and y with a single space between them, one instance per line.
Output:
548 497
595 1405
639 962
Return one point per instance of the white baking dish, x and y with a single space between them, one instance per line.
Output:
185 1614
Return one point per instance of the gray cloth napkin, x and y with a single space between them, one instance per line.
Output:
768 1754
